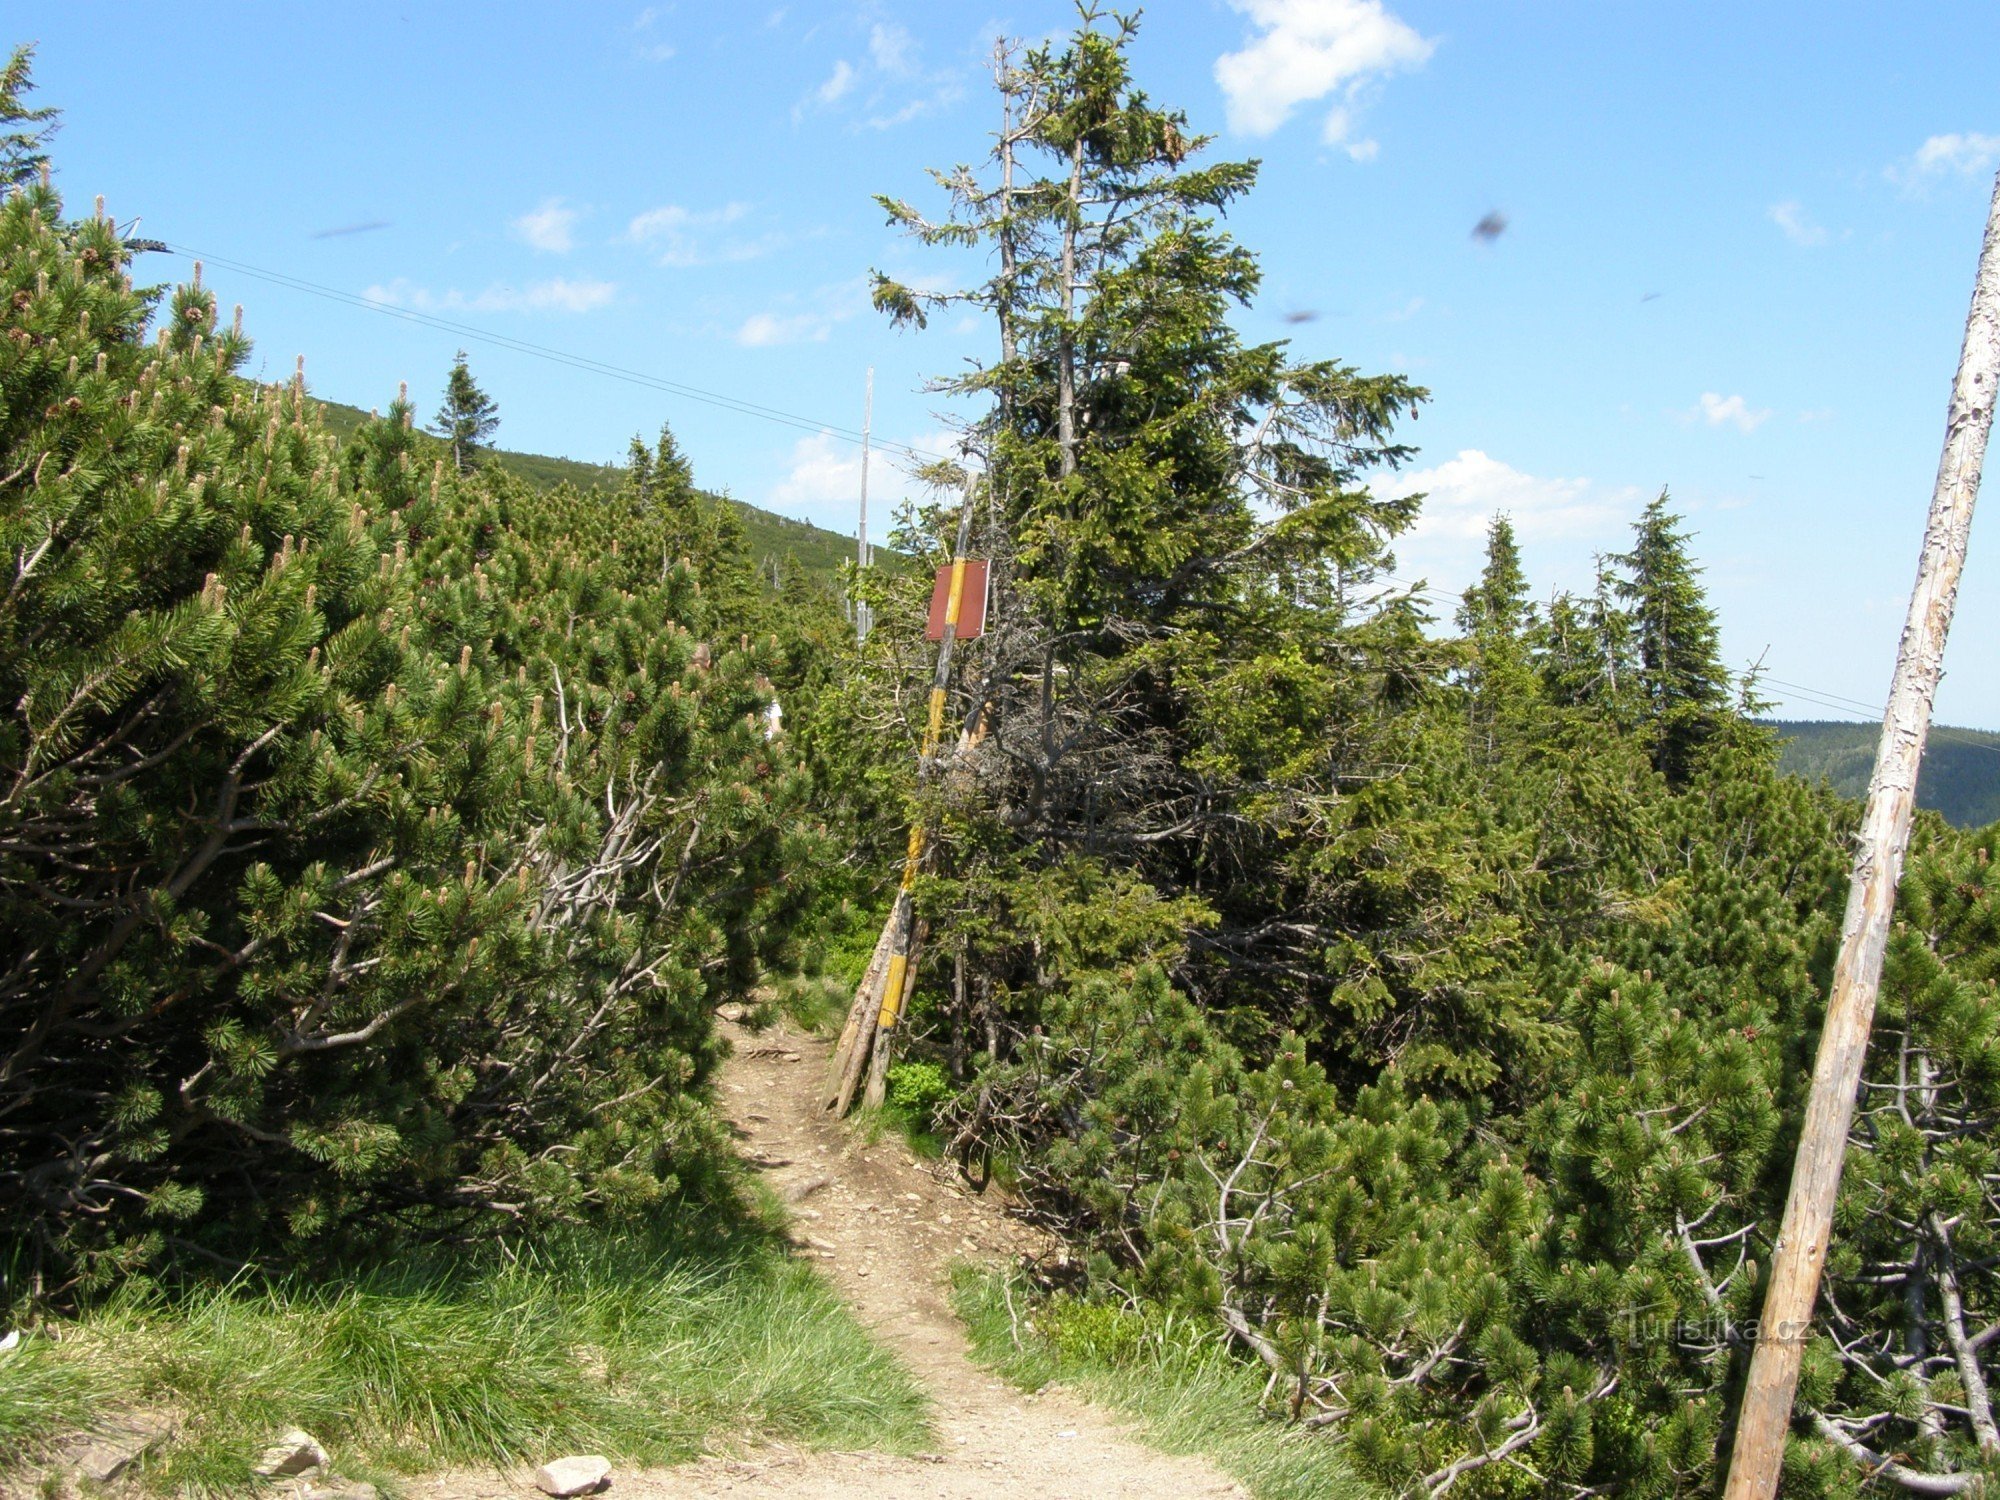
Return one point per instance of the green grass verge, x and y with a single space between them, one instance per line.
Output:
1186 1391
647 1353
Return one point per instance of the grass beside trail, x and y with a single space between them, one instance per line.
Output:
647 1354
1188 1394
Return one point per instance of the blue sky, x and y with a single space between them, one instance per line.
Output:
1740 241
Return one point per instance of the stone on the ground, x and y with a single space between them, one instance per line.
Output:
103 1454
583 1474
333 1487
732 1011
798 1192
295 1452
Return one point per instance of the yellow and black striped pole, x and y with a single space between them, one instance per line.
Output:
896 982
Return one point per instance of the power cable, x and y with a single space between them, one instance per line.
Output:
558 356
1820 697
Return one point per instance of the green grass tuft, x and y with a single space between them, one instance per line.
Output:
1188 1393
648 1355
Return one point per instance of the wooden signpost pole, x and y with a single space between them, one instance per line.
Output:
1878 866
878 1004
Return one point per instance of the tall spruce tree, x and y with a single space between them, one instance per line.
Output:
1682 683
1497 606
1499 624
468 416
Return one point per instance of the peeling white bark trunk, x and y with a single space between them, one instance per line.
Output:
1878 867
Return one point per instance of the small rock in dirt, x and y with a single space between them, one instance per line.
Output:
336 1488
914 1197
731 1012
818 1243
102 1455
798 1192
295 1452
584 1474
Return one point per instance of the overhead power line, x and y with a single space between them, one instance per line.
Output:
558 356
1820 697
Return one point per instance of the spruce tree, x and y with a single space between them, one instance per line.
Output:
1192 632
468 416
1682 683
1497 606
1499 624
24 131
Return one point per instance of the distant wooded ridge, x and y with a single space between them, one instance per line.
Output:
772 538
1960 778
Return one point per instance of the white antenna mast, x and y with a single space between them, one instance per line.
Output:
863 556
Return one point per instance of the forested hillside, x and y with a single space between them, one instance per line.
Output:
1961 773
1413 1013
775 542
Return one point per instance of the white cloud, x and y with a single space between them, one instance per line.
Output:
822 482
1307 50
683 235
837 85
650 51
1726 411
766 330
1955 155
548 227
1463 494
822 471
810 323
892 48
891 87
559 294
1565 522
1790 216
946 92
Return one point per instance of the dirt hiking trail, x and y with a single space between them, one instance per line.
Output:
886 1231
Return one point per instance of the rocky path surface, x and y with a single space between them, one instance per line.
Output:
886 1230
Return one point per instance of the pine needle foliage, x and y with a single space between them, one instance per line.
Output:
374 843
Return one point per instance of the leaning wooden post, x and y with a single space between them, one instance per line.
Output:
878 1003
1871 899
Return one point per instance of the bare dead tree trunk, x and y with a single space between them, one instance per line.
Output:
1878 866
1009 268
1066 338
